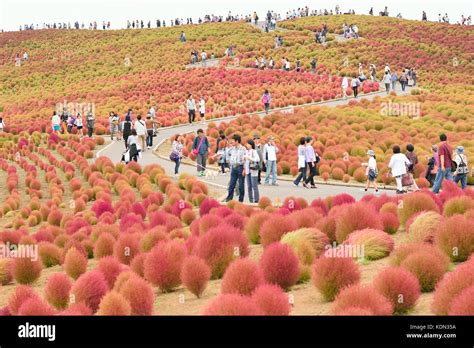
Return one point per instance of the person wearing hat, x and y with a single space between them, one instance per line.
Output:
259 148
371 171
270 160
462 168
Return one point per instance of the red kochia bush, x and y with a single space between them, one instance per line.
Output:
242 276
110 267
26 271
35 307
162 266
206 205
415 203
113 303
195 274
428 269
399 286
463 304
57 289
126 247
364 297
271 300
280 265
253 225
231 304
219 246
390 222
104 245
452 284
77 309
75 263
331 274
5 271
455 236
357 216
275 227
19 296
100 207
139 294
342 198
90 288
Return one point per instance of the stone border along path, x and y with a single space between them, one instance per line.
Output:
115 149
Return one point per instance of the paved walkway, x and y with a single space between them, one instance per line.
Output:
114 151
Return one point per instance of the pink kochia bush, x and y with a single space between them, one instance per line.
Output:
275 227
280 265
206 205
162 266
377 244
75 263
113 303
463 304
89 288
19 296
243 276
126 247
271 300
363 297
399 286
455 236
35 307
220 246
354 217
139 294
231 304
428 269
57 289
26 271
195 274
331 274
110 267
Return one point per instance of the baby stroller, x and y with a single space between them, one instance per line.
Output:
131 154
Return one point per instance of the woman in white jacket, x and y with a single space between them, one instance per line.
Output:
398 167
251 167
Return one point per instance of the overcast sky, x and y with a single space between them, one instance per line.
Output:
14 13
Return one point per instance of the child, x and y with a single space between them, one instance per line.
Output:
222 156
79 124
371 171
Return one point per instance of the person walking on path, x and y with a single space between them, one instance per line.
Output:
373 73
266 98
114 122
371 171
90 123
191 107
259 149
302 167
386 81
2 124
237 172
355 83
403 80
127 129
270 160
140 127
202 108
252 165
221 151
132 148
311 162
56 122
413 158
149 131
177 153
344 86
79 124
313 66
398 167
462 168
394 79
433 165
445 163
200 150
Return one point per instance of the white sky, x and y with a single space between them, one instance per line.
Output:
14 13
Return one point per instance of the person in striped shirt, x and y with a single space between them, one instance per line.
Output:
237 172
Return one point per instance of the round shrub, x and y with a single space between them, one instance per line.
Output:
253 225
404 250
452 284
390 222
113 303
50 254
19 296
274 228
110 268
126 247
280 265
187 216
139 294
342 198
458 205
89 288
195 274
57 289
26 271
271 300
206 206
75 263
455 237
220 246
306 217
137 264
331 274
35 307
415 203
376 244
363 297
427 269
242 277
152 237
77 309
463 304
5 271
104 245
307 243
399 286
162 266
231 304
354 217
423 227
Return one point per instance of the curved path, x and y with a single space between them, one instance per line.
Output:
115 149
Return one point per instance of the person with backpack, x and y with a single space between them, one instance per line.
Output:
140 127
302 167
127 129
191 107
398 167
90 119
311 161
371 171
132 152
252 165
462 168
266 98
237 171
445 163
149 132
270 160
177 152
413 158
200 150
394 79
355 83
